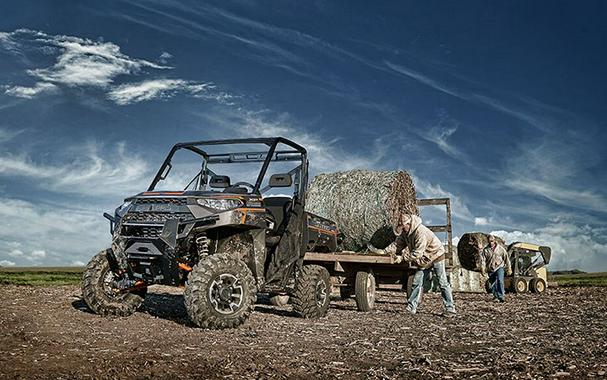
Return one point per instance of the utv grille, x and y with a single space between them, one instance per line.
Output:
174 201
142 231
155 217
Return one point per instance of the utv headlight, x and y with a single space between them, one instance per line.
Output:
120 211
220 204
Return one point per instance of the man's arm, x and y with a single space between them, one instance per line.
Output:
483 260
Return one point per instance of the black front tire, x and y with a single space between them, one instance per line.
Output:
220 293
312 292
98 294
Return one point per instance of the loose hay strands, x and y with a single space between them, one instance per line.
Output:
468 252
365 204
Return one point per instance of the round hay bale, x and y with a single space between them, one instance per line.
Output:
365 204
468 252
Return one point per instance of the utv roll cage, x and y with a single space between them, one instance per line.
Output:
297 153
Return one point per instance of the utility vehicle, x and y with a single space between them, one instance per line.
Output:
226 220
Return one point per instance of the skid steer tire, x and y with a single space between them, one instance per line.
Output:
519 285
312 292
220 293
365 291
279 299
538 285
98 294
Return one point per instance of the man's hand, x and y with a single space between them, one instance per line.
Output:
398 259
484 272
509 272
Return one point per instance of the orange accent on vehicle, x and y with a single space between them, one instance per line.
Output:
185 267
246 210
163 193
330 232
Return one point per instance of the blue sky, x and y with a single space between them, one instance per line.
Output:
500 106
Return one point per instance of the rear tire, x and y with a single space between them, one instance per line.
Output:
538 285
220 293
312 290
365 291
519 285
99 295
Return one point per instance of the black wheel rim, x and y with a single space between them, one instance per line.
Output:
226 293
107 285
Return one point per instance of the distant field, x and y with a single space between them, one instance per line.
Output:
580 279
41 275
73 276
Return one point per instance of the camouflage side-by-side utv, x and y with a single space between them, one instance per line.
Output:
212 220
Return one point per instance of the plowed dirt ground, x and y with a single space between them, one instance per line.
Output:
48 332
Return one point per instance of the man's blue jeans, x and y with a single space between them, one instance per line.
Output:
418 283
496 279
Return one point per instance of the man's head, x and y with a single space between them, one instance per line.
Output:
404 224
492 241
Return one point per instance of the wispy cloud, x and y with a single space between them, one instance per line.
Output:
551 169
328 155
439 134
81 62
87 170
156 88
9 134
31 92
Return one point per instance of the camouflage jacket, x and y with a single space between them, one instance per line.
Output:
492 260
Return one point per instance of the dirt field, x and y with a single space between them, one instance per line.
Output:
47 332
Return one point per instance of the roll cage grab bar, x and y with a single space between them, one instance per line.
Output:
298 153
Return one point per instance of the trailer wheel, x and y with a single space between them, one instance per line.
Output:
220 293
538 285
279 299
520 285
312 290
365 291
100 296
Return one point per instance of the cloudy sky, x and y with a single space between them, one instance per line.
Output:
500 106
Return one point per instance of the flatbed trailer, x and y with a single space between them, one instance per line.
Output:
361 274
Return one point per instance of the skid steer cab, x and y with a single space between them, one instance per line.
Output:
528 262
226 220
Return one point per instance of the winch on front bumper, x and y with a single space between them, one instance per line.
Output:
147 240
147 237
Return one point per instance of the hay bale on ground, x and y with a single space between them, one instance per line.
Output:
468 252
365 204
